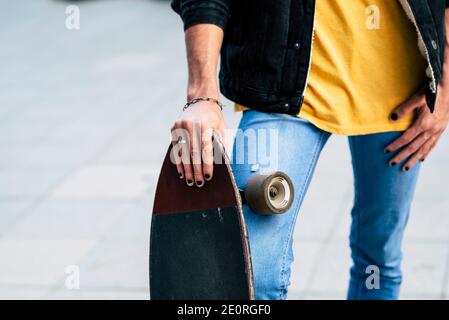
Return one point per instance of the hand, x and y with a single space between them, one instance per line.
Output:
416 142
196 127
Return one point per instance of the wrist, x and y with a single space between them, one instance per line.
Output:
210 90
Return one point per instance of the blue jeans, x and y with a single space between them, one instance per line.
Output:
383 195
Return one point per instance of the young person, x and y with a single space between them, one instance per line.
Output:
374 70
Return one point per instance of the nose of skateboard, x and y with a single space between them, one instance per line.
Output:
199 246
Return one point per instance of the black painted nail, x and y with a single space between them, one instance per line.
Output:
407 168
387 151
394 116
422 160
189 182
207 177
181 176
392 164
199 184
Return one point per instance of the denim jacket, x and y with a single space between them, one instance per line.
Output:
266 52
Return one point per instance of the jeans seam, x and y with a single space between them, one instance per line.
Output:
357 208
301 197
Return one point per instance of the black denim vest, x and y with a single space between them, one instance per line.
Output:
266 53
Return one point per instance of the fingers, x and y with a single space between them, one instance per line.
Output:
208 153
420 125
414 102
406 138
181 142
416 142
427 150
195 153
192 152
187 153
411 149
177 136
420 155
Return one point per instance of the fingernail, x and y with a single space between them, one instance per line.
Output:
199 184
422 160
407 168
181 176
189 182
394 116
392 164
207 177
387 151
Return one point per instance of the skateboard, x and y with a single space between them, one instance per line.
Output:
199 246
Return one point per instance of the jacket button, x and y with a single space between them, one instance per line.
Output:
296 45
434 45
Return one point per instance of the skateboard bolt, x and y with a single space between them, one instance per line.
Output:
273 192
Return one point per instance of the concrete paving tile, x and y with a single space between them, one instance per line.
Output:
108 182
445 294
38 112
12 134
337 151
432 182
133 154
86 128
331 271
428 221
97 294
39 262
24 293
116 263
25 182
306 255
440 155
343 228
324 295
316 220
328 186
424 267
417 296
7 111
37 157
133 223
11 211
66 219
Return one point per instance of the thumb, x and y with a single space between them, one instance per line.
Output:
414 102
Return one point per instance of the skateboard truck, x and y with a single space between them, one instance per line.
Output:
268 193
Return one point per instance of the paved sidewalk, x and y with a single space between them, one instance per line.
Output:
84 118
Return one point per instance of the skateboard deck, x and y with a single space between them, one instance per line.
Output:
199 245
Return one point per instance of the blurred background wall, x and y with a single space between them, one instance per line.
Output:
84 124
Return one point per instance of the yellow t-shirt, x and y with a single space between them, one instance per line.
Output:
365 62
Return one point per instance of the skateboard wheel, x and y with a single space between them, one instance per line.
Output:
269 194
